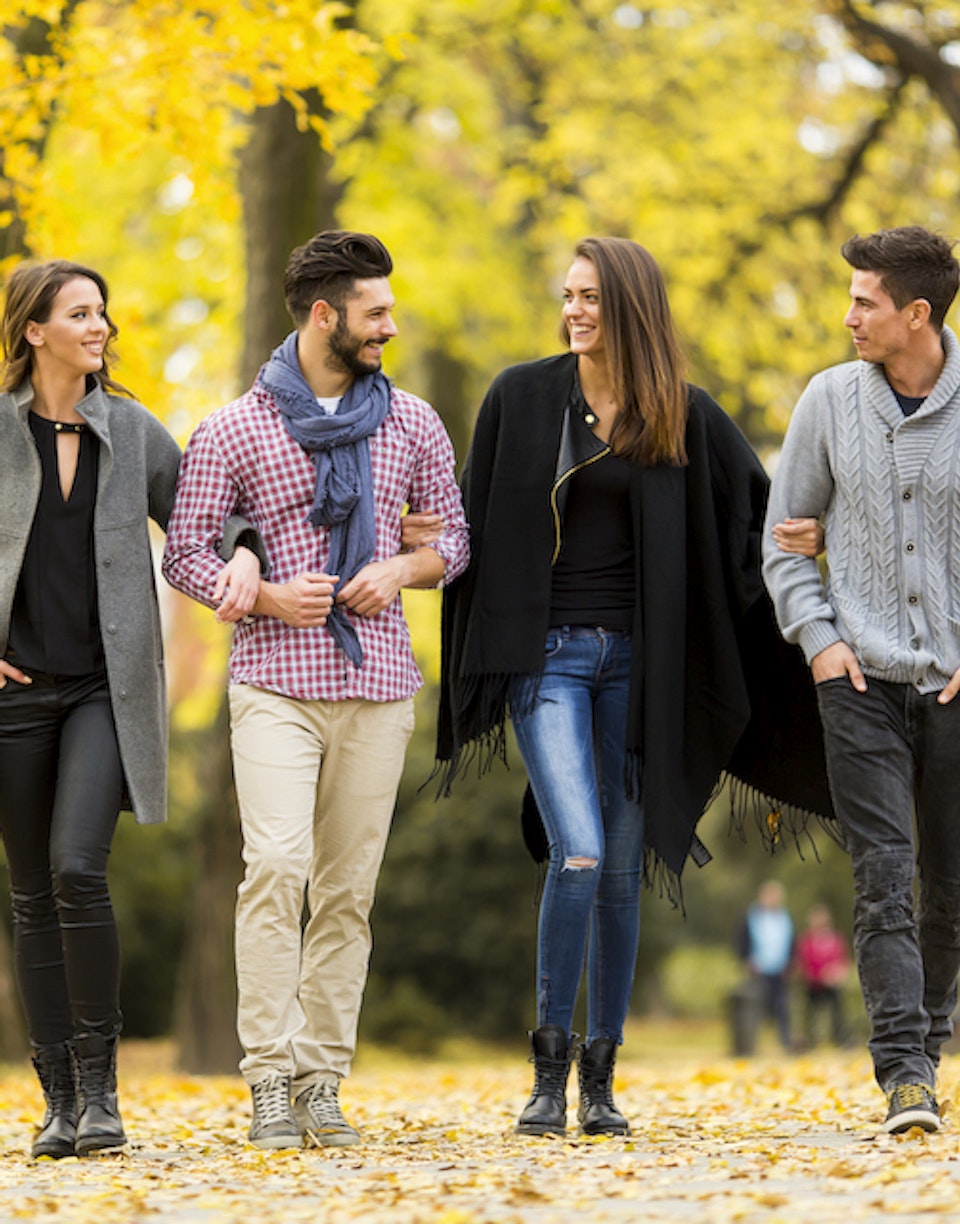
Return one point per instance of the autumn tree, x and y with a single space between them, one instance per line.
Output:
740 142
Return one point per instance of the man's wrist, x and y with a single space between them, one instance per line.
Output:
265 603
421 569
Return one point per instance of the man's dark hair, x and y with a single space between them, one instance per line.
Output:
912 262
327 267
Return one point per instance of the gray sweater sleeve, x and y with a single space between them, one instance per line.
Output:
802 488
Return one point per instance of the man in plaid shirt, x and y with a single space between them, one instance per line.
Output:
321 455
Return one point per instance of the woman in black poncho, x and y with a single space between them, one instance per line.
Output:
614 609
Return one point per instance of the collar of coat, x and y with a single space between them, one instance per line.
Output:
94 407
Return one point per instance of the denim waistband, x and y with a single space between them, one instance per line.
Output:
573 631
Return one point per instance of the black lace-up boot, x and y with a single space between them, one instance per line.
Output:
58 1131
596 1112
99 1126
546 1111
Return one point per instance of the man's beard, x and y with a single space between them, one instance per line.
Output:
345 349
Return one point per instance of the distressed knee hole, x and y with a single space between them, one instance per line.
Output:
579 863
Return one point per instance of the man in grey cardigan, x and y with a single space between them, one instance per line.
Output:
873 449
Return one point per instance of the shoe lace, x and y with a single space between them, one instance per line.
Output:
324 1106
271 1100
910 1096
55 1071
96 1079
550 1076
597 1084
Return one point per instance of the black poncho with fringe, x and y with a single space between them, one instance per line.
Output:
714 688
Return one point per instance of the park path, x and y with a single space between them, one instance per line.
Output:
718 1140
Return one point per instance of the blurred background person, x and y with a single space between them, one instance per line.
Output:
823 965
766 948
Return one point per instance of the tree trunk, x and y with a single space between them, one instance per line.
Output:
446 390
13 1036
206 1014
287 197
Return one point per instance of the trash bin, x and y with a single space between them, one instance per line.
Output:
744 1018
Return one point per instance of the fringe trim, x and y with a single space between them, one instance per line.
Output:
775 821
657 875
486 699
476 757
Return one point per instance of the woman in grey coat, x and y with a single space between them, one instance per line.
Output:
82 701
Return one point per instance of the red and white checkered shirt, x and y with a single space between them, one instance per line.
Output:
242 460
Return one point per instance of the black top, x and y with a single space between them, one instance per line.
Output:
908 403
54 626
594 576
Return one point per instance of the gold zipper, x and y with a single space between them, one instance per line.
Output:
558 533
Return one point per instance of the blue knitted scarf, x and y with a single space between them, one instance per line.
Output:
338 446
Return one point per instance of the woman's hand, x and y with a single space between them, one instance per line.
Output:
419 529
9 672
237 586
803 536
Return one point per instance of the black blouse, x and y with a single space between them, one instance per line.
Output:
594 579
55 626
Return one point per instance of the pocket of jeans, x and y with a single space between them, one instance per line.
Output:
554 644
819 684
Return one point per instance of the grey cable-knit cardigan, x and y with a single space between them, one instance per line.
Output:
137 478
888 489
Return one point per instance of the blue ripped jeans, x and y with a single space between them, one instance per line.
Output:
572 739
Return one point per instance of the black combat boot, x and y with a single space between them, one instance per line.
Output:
58 1131
596 1112
546 1111
99 1126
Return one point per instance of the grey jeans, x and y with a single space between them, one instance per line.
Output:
893 757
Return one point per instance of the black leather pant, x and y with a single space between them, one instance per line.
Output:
61 787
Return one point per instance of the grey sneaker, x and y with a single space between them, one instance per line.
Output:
273 1125
320 1119
912 1105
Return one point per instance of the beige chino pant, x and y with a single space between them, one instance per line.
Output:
316 785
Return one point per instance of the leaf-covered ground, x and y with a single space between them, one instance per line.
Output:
715 1139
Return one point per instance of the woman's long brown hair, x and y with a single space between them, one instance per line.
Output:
30 293
643 352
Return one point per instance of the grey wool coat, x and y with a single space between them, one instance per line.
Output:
137 477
